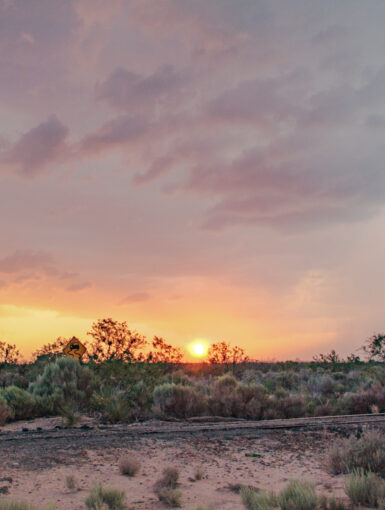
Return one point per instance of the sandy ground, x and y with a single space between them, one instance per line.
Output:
281 455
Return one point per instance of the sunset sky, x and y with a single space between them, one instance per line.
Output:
207 169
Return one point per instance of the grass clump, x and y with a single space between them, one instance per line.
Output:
171 497
258 500
170 477
366 453
166 488
129 466
200 473
12 504
298 495
99 498
365 489
70 482
331 503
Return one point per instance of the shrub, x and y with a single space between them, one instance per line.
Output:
21 403
100 497
170 477
112 404
64 383
365 488
171 497
367 453
199 473
260 500
165 487
5 411
129 466
298 495
179 400
70 482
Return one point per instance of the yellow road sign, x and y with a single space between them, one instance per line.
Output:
74 348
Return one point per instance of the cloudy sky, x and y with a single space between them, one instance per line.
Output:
200 168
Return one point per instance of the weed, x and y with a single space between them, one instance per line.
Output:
129 466
366 453
298 495
260 500
171 497
70 482
365 489
99 498
199 473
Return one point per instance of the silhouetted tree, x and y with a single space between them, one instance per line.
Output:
113 340
224 353
164 353
332 357
375 347
8 353
53 350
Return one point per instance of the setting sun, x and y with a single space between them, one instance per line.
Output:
198 348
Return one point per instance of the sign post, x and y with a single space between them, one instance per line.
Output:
74 348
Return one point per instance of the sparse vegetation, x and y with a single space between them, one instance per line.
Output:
166 488
12 504
298 495
365 489
200 473
100 497
331 503
171 497
129 466
258 500
366 453
120 381
70 482
170 477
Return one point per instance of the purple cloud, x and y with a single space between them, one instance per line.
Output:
37 148
125 90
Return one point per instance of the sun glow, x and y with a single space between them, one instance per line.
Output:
198 348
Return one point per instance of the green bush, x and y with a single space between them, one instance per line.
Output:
64 383
298 495
179 400
5 411
20 402
99 498
365 489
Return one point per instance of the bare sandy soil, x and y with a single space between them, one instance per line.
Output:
37 474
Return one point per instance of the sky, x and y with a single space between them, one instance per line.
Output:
207 169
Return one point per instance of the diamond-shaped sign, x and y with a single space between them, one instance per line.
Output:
74 348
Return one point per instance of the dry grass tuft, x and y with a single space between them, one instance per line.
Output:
11 504
166 488
365 489
70 482
366 453
129 466
171 497
298 495
258 500
101 498
200 473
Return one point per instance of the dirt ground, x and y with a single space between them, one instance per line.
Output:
36 471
